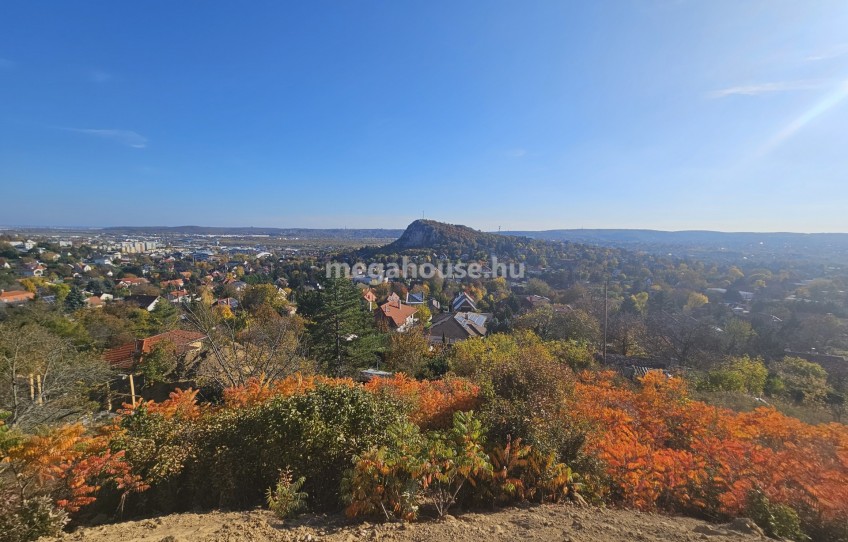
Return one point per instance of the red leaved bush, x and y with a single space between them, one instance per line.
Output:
430 403
259 390
660 449
70 466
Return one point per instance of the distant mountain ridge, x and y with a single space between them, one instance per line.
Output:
304 233
735 240
770 246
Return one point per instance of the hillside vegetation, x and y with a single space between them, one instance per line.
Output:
514 425
600 378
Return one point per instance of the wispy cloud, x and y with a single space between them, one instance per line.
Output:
98 76
767 88
833 52
516 153
124 137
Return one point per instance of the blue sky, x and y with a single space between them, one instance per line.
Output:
725 115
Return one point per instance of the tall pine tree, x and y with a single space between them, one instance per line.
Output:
341 331
75 300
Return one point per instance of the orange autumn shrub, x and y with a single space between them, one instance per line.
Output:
70 467
660 450
430 403
181 404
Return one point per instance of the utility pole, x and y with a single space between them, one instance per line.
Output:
132 390
606 317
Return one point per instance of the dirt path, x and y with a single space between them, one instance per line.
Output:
561 523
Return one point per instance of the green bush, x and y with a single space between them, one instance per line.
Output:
452 458
393 479
739 374
30 520
286 500
777 520
521 473
799 380
227 458
384 480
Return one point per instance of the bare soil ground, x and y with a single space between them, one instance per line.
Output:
561 523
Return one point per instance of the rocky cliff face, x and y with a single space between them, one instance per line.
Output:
454 241
420 234
432 234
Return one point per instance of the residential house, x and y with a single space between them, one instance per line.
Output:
23 246
367 375
15 297
178 296
394 315
415 299
451 328
33 269
176 283
230 302
129 355
463 303
146 302
370 297
202 255
93 302
127 282
238 285
535 301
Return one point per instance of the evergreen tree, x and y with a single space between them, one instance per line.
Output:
342 333
75 300
164 317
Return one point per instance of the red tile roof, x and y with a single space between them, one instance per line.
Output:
125 356
396 312
16 296
132 281
121 357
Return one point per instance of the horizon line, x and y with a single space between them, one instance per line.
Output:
504 232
